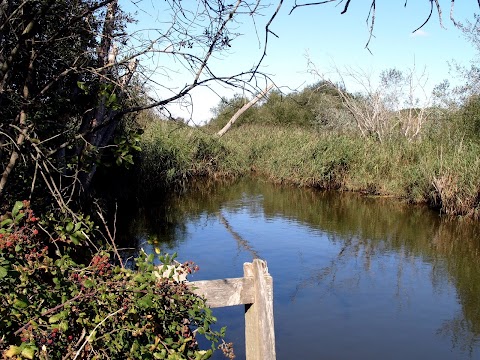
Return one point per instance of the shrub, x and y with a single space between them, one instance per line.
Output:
53 307
470 115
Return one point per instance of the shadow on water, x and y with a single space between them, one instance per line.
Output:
363 277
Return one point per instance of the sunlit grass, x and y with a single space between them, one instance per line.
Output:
443 172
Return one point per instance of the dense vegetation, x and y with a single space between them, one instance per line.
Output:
74 100
312 139
73 77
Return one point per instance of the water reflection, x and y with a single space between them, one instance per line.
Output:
354 276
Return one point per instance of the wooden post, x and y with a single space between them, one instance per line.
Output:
255 291
259 324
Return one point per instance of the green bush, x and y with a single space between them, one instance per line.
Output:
53 307
470 117
173 153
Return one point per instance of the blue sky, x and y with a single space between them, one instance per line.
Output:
331 39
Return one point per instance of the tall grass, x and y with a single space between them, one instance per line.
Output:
309 139
172 153
441 171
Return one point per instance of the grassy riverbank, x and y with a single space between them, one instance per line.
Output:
441 171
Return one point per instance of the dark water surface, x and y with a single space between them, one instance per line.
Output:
354 277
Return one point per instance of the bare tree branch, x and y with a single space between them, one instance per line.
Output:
267 31
243 109
308 4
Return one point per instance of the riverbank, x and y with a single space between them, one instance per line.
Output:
440 171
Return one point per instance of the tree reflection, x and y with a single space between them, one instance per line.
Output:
375 233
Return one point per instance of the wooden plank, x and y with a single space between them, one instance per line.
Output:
225 292
255 291
259 323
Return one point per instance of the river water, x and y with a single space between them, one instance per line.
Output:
354 277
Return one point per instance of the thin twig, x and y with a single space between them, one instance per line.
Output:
267 31
93 332
110 237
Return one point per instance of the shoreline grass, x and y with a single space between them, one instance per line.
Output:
442 172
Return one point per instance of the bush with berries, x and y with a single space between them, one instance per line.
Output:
52 306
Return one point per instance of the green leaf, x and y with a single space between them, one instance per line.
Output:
69 227
28 352
3 272
16 208
63 326
55 318
80 235
203 354
74 240
92 336
19 217
19 304
6 222
77 226
88 283
145 302
129 159
112 99
12 351
81 85
59 317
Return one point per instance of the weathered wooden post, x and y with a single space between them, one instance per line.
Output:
259 325
255 291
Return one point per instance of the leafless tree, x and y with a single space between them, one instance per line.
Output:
397 102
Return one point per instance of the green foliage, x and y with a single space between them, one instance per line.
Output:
53 307
172 153
70 230
441 168
317 105
126 144
228 107
60 104
470 117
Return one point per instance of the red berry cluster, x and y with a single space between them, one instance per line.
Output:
101 265
19 232
190 267
49 337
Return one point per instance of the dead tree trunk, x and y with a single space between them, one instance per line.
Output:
243 109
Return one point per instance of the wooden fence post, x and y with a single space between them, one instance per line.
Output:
255 291
259 324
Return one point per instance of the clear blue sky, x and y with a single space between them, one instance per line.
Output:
331 39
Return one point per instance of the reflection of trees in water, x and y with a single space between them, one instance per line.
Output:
241 242
363 228
159 225
461 246
362 252
327 276
459 331
452 248
162 218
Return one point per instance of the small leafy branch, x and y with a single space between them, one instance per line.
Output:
53 307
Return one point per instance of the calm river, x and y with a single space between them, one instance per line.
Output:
354 277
